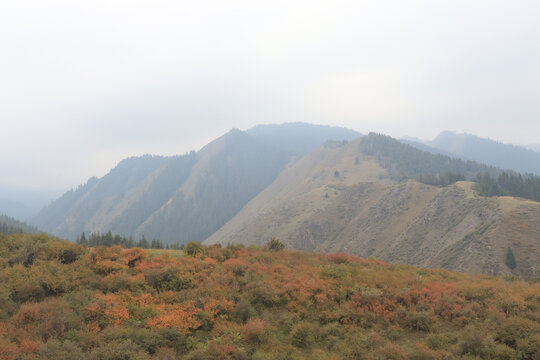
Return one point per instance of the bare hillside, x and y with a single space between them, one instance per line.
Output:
337 198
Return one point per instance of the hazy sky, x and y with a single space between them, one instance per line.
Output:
87 83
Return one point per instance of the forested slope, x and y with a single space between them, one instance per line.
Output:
505 156
175 199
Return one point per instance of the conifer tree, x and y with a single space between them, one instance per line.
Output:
510 259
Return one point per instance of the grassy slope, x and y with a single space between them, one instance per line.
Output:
232 303
364 211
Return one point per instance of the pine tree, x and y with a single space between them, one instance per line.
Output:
510 259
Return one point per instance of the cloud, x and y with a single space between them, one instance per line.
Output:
86 83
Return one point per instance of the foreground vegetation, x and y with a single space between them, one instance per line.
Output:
60 300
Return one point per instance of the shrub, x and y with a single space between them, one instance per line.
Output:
194 248
419 321
394 352
474 345
342 258
518 333
146 339
303 335
254 331
119 350
441 341
166 279
422 352
55 349
243 311
275 245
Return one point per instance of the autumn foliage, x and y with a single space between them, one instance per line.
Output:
63 301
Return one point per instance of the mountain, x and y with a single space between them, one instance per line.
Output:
299 138
187 197
9 225
504 156
364 197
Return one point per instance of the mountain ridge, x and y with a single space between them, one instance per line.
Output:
517 158
181 198
369 209
373 196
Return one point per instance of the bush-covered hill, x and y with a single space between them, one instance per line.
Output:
62 301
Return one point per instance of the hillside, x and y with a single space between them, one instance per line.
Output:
504 156
62 301
182 198
362 197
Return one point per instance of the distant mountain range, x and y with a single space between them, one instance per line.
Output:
318 188
520 159
188 197
22 203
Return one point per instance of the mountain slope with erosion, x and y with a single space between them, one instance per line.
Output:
356 197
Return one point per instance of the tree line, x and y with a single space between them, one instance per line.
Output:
108 239
9 225
8 229
406 162
509 184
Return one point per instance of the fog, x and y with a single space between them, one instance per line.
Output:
88 83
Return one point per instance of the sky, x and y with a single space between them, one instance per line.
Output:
85 84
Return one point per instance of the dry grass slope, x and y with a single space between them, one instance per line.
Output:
338 199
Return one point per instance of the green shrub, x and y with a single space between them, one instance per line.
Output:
166 279
419 321
303 335
194 248
119 350
55 349
275 245
243 311
441 341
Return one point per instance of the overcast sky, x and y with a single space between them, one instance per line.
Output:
87 83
